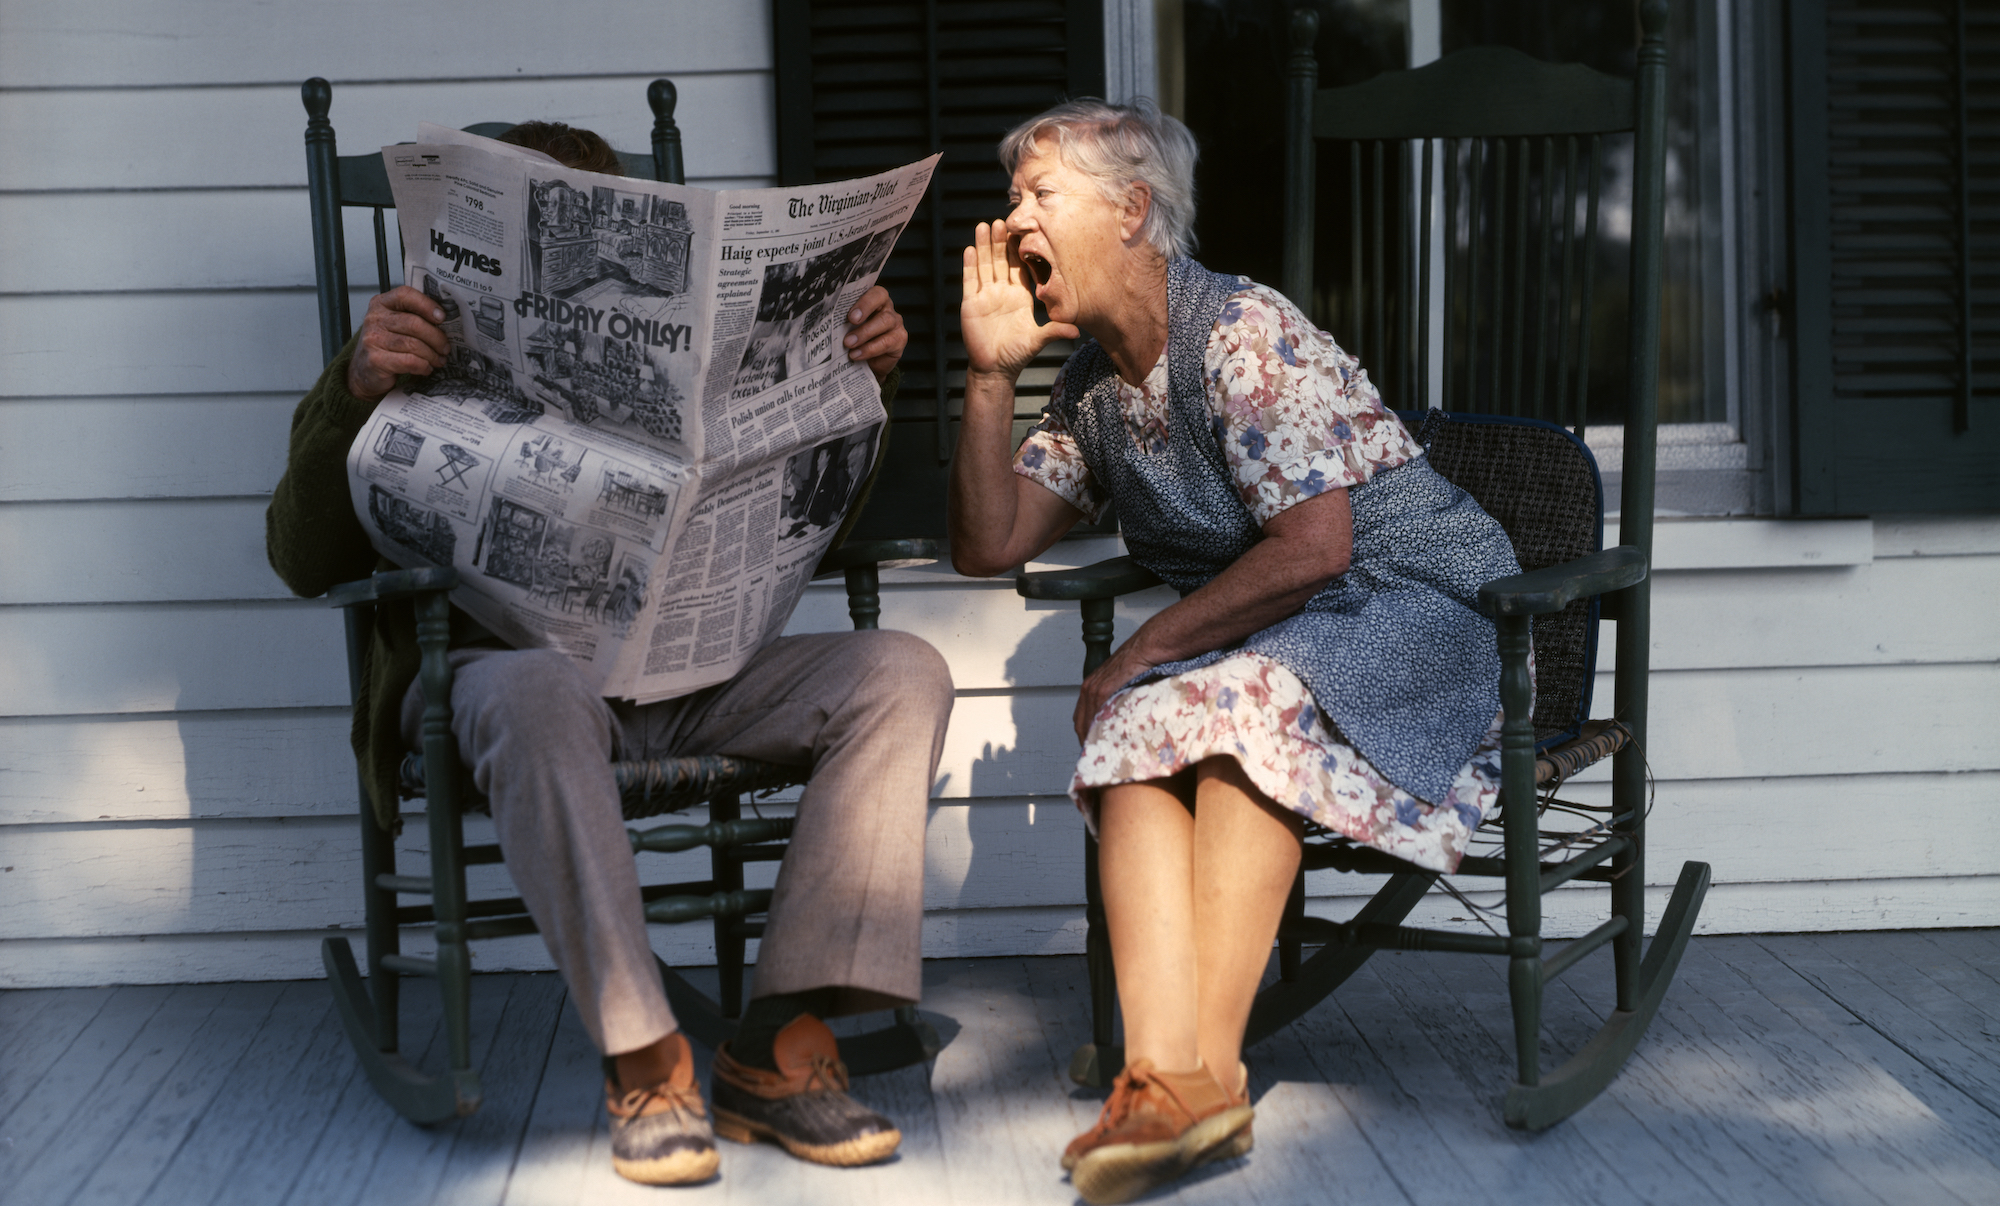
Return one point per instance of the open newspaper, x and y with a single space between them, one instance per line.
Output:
647 429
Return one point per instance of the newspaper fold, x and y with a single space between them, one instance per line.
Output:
647 430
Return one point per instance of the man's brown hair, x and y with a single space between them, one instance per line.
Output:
567 145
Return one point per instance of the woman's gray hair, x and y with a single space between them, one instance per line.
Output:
1119 146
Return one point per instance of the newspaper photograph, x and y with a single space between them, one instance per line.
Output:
646 432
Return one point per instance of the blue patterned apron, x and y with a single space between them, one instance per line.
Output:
1394 650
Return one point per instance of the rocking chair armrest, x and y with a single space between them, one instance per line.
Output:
1104 580
857 553
1543 591
394 584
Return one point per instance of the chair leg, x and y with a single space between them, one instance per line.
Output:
1628 891
730 944
1585 1074
384 937
454 953
1524 989
1521 832
1278 1004
1290 945
1094 1064
417 1097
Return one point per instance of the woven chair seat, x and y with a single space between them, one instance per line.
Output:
671 784
648 789
1596 741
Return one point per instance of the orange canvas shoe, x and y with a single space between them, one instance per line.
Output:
1154 1127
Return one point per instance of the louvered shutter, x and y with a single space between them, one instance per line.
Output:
864 86
1896 254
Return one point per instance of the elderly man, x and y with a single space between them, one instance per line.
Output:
866 710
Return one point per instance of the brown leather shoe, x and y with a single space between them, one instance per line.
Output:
1154 1127
1109 1117
804 1106
660 1134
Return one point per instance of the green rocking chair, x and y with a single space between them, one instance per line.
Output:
1519 145
369 1008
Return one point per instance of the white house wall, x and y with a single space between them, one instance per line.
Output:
176 797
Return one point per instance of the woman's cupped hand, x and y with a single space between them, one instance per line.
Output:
997 312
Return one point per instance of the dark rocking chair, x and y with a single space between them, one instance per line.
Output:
369 1008
1518 228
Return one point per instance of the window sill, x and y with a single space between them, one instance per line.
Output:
1710 543
1700 468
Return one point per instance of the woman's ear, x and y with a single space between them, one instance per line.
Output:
1132 216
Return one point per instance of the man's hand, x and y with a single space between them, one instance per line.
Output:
997 309
877 335
399 334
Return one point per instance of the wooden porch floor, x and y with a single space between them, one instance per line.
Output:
1801 1069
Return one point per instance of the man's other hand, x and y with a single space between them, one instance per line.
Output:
877 335
399 334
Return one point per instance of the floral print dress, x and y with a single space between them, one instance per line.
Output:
1296 416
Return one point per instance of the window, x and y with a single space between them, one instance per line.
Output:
1233 70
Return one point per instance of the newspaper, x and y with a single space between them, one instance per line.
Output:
647 429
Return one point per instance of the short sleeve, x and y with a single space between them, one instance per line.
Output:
1296 414
1049 457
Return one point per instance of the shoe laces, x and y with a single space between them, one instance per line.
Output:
633 1103
1126 1094
827 1074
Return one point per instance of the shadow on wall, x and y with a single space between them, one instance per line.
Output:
1024 838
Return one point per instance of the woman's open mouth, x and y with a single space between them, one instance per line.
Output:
1038 267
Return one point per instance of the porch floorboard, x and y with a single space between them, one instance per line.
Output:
1809 1069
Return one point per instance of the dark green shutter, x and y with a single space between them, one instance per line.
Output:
1896 252
866 86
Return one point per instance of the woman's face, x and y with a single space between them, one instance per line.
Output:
1069 237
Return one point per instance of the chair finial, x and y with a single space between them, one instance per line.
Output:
1305 30
663 96
1653 18
318 97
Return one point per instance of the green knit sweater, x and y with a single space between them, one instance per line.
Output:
315 542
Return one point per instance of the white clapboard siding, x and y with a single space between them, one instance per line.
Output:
1813 827
272 763
199 239
61 44
1936 535
221 876
120 344
161 242
139 551
167 657
142 447
269 762
178 802
253 136
1848 615
1730 722
1715 544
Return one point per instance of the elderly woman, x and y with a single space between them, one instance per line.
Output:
1325 661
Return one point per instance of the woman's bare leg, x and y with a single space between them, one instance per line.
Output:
1245 855
1146 866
